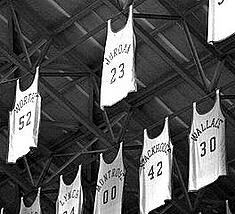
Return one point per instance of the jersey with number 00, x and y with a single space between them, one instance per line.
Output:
206 147
155 170
118 75
220 14
108 197
70 198
24 120
34 208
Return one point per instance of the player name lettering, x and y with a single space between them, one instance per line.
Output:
221 2
30 98
160 147
214 123
114 173
123 48
69 195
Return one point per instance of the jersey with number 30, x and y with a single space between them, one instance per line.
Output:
24 120
118 75
155 170
70 198
206 147
108 197
34 208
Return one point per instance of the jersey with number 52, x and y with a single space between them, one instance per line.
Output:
24 120
109 187
118 74
155 170
207 147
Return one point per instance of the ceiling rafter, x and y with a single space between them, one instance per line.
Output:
84 38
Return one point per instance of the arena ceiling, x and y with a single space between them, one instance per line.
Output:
174 67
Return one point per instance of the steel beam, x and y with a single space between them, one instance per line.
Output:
22 42
155 16
193 49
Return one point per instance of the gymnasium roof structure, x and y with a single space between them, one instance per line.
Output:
175 66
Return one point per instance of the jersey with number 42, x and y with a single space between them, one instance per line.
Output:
118 74
109 188
155 170
207 156
24 120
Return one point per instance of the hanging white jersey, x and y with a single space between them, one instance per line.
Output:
34 208
206 147
24 120
109 188
118 74
227 208
155 170
70 198
220 16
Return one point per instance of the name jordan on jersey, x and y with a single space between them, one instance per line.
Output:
122 48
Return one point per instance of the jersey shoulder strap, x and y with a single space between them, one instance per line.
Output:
118 157
33 86
36 201
129 22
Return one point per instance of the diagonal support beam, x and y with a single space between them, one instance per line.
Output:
22 56
183 185
16 21
200 70
155 16
28 170
14 175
